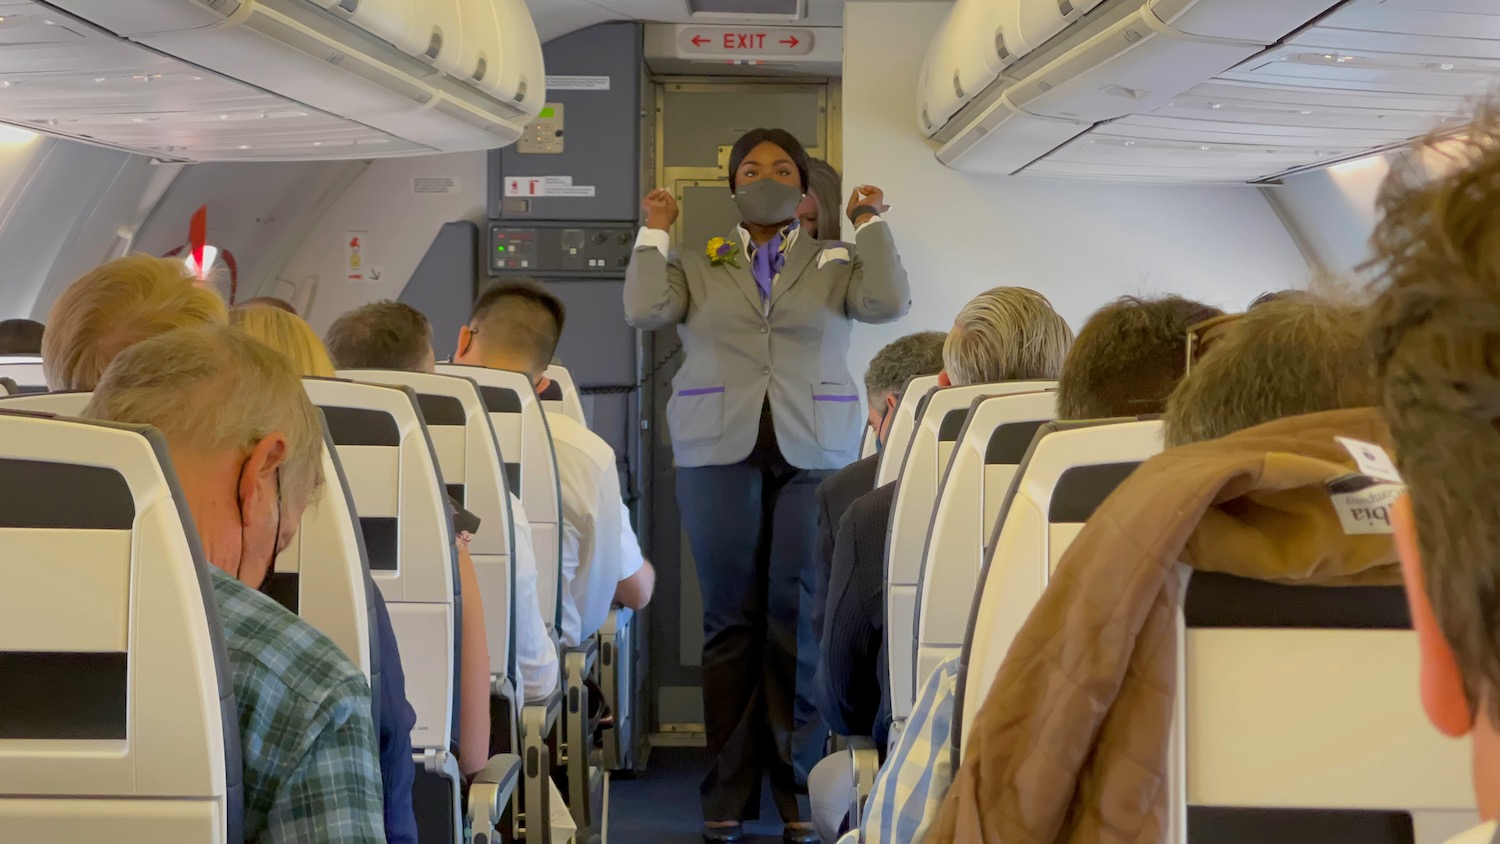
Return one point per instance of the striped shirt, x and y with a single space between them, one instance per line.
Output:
911 785
308 744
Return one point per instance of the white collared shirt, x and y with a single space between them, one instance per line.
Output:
1482 834
536 656
662 242
599 549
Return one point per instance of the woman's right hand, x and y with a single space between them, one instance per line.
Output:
661 210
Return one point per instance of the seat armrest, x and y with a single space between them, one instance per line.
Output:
618 619
587 652
545 712
864 760
489 793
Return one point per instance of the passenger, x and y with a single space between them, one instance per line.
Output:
1003 334
288 334
116 305
1433 332
1080 671
1288 357
1128 358
20 337
516 327
382 335
268 302
819 210
388 335
247 447
885 379
764 406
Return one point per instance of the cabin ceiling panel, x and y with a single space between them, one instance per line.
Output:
559 17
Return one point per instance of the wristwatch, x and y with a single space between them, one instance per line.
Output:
860 210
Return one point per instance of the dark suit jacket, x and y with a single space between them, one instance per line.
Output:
851 686
834 497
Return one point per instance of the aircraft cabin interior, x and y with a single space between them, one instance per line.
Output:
749 420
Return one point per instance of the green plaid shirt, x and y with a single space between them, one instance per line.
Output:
311 769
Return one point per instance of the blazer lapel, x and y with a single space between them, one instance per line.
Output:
797 259
743 279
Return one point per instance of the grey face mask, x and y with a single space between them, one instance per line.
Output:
767 202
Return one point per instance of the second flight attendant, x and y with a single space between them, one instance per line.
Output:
762 409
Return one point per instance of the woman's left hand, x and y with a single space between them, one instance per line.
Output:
866 195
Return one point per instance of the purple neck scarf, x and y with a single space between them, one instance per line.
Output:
767 259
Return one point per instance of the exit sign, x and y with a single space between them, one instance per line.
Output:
744 41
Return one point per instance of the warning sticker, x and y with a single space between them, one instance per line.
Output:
551 186
578 83
537 185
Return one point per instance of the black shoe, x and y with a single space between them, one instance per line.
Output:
800 835
723 834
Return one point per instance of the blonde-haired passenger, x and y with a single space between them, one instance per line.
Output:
1006 334
246 445
286 333
116 305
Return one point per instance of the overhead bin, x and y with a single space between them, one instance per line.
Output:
409 70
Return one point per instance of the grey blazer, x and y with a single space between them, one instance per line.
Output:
737 355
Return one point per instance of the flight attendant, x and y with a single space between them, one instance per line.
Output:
762 409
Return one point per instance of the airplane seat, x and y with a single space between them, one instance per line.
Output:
392 470
474 471
987 452
1068 471
1296 719
323 577
567 399
25 371
869 443
899 436
61 404
945 410
119 713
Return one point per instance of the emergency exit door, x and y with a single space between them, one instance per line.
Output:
697 122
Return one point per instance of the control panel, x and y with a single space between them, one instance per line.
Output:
561 249
544 135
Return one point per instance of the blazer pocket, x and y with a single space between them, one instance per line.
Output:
696 415
836 415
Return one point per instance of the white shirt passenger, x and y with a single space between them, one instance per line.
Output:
536 656
598 547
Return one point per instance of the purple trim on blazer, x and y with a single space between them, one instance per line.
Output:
701 391
835 398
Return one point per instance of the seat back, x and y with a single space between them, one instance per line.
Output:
943 413
25 371
567 400
118 711
61 404
989 449
1298 720
869 444
903 427
7 387
323 576
392 472
1070 468
522 433
474 473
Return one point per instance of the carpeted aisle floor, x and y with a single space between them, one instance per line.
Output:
661 806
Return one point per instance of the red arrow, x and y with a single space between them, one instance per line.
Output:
790 41
699 41
198 238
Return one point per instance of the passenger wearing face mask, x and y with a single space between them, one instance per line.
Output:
762 411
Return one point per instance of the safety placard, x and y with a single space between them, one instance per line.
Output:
737 41
578 83
356 252
549 186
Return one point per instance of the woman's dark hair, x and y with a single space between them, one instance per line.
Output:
754 138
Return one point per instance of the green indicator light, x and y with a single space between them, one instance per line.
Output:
501 248
547 112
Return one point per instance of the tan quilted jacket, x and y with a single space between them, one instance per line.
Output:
1070 747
